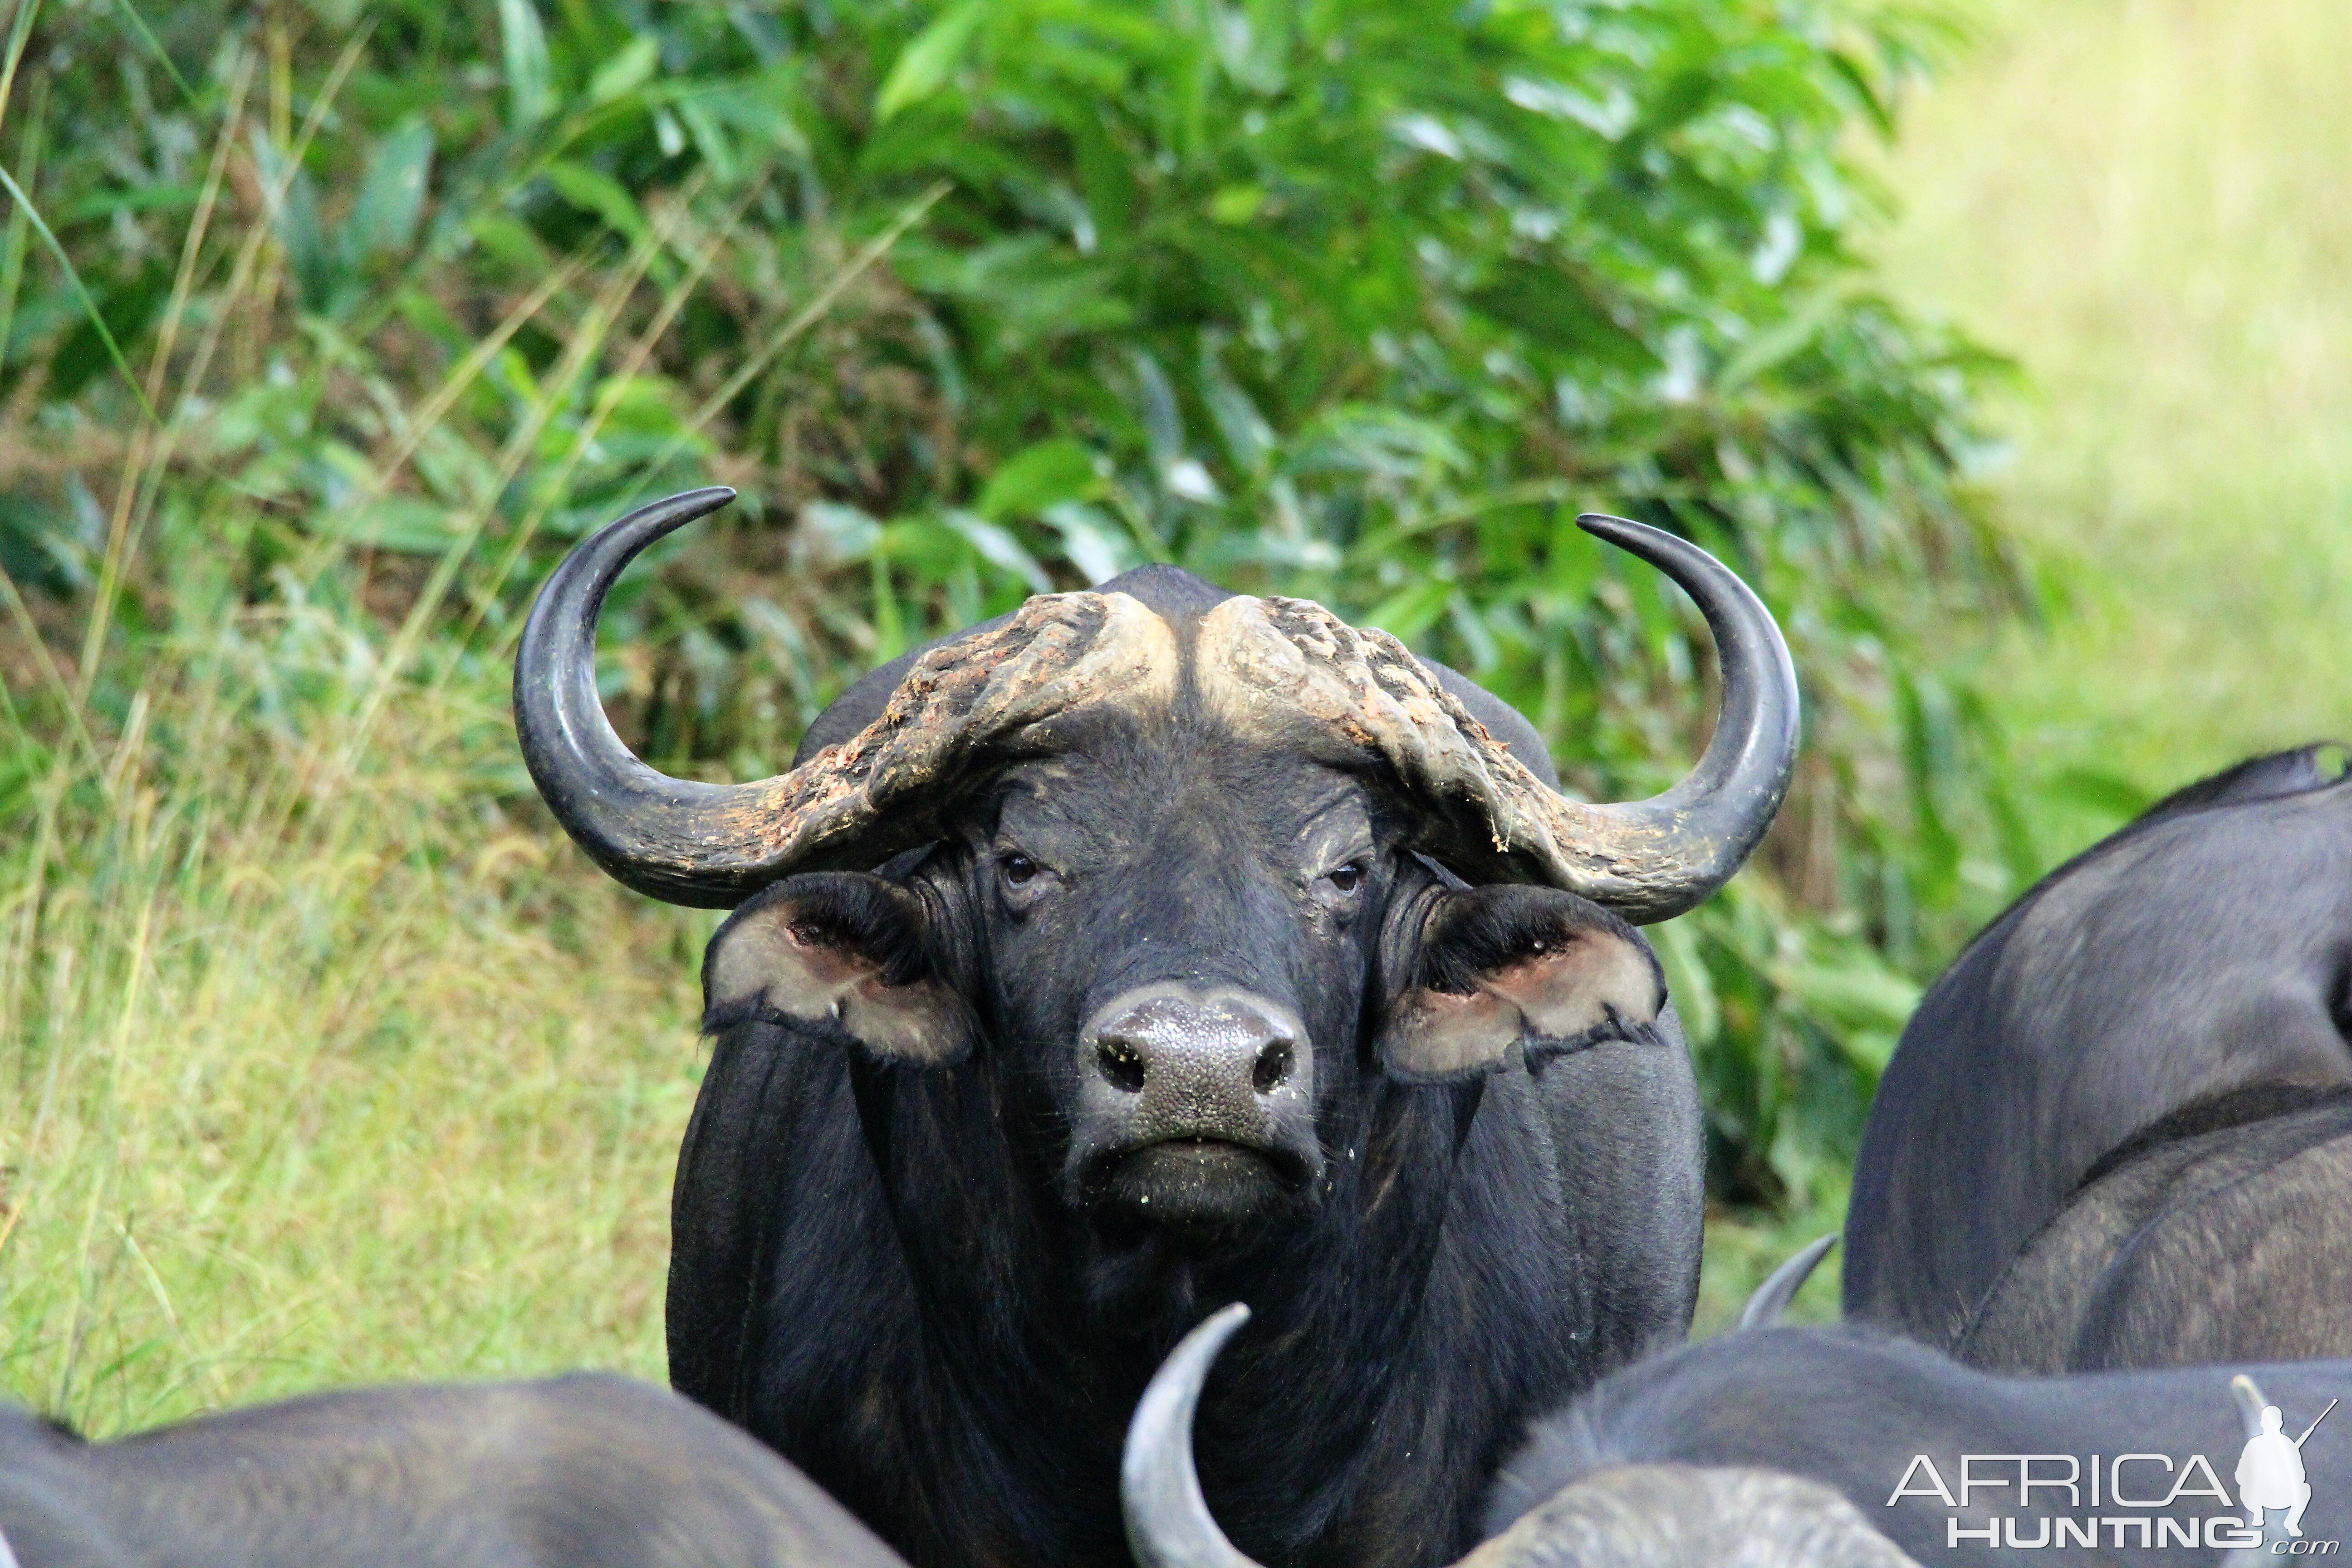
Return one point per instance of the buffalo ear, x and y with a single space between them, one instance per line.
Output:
837 951
1514 970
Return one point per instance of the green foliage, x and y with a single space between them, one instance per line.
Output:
1359 301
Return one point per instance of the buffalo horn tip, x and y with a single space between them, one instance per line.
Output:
1772 1298
1167 1520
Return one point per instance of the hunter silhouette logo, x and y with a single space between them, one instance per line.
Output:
2270 1472
2144 1502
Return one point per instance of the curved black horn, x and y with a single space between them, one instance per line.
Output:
1703 829
659 835
1772 1298
1167 1520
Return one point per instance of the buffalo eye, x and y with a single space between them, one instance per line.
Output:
1017 869
1346 877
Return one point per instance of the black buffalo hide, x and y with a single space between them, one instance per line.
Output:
570 1472
2094 1085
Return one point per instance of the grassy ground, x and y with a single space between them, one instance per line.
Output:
326 1079
315 1073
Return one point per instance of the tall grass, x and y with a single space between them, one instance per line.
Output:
320 1065
322 1076
320 1068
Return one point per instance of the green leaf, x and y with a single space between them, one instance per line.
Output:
626 72
1576 562
710 138
1027 281
1688 983
1038 476
1869 1049
925 545
403 523
119 318
158 198
835 535
508 240
1783 340
1550 307
531 81
1358 438
1850 70
924 66
391 193
1409 613
1091 541
316 266
1001 549
597 192
755 106
431 317
2108 793
1237 204
1246 434
1862 992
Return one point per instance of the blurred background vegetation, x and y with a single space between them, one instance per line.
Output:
326 326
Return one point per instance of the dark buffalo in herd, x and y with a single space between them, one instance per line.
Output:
2146 1462
1147 949
1154 948
572 1472
2118 1131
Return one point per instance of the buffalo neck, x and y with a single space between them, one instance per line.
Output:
1041 1327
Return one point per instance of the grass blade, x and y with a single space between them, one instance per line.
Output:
139 25
81 291
19 32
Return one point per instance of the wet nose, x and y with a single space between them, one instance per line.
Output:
1206 1049
1193 1102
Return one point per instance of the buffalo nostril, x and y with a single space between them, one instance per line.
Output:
1274 1064
1122 1064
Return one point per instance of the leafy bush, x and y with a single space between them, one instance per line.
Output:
373 310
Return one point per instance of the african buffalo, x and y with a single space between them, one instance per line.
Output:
2115 1133
1827 1448
1144 949
571 1472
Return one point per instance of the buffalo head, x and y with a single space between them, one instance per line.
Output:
1176 869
